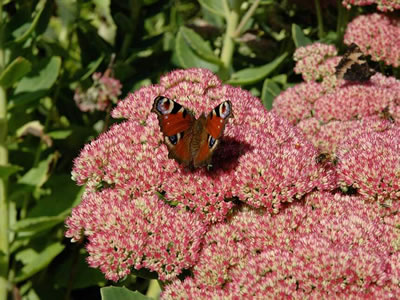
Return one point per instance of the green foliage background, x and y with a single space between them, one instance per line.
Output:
49 48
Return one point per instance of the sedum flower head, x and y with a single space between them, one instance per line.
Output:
330 135
144 232
296 103
330 246
382 5
103 92
131 156
316 62
327 116
370 163
355 101
262 161
377 35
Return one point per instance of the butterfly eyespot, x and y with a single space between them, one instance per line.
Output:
224 109
211 141
173 139
164 105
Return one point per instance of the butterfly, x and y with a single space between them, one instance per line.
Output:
191 141
354 66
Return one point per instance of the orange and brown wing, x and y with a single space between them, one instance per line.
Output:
176 124
217 119
180 151
173 117
205 138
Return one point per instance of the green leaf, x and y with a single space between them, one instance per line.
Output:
37 83
199 46
117 293
13 213
37 176
68 12
14 71
44 19
214 6
65 194
269 91
187 58
330 37
123 22
8 170
34 262
32 226
40 6
84 276
92 67
60 134
32 127
300 40
103 14
253 75
281 79
31 295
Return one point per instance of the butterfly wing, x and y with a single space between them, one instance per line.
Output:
354 66
176 124
207 132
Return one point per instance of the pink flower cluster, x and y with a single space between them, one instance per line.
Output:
377 35
355 101
142 232
262 161
327 116
130 156
327 137
104 91
329 246
316 61
297 102
382 5
271 219
370 163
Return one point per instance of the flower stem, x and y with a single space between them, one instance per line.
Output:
4 243
319 18
2 63
246 18
135 7
232 18
343 16
4 247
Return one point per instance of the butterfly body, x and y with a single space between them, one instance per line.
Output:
354 66
191 141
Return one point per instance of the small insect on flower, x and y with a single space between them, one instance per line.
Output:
191 141
385 114
326 158
354 66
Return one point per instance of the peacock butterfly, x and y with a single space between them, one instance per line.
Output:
354 66
191 141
